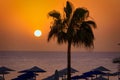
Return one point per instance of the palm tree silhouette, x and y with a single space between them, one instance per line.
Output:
72 28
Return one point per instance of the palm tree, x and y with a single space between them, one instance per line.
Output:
72 28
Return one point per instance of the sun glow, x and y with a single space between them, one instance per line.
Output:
37 33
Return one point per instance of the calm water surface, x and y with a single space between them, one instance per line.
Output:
50 61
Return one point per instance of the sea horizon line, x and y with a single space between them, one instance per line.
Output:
60 51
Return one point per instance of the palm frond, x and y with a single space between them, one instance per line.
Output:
55 29
84 36
61 37
52 33
80 14
68 9
87 33
92 23
55 14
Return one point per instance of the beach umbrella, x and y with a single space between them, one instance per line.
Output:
100 78
101 68
79 77
59 73
89 74
94 73
34 69
117 74
4 73
64 71
37 70
26 76
55 76
108 74
49 78
4 70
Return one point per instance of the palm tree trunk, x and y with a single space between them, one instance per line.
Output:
69 61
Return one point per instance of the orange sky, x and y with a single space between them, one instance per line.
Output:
19 19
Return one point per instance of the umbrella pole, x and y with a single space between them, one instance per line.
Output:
118 75
35 76
91 78
108 77
96 75
3 77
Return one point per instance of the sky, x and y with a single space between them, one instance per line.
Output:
20 18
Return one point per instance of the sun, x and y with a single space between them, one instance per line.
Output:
37 33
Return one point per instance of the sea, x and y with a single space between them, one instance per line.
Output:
51 61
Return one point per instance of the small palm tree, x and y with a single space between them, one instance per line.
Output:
74 29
